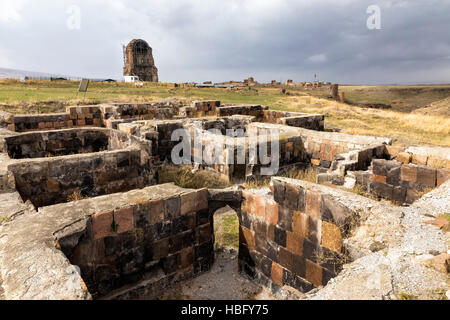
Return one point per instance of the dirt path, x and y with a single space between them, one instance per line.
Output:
222 282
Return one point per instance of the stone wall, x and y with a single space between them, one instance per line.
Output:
161 238
57 143
7 120
400 182
46 181
293 238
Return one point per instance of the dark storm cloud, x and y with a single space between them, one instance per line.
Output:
224 40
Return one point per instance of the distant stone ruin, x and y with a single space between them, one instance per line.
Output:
139 61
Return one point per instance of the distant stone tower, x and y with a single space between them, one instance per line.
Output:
139 61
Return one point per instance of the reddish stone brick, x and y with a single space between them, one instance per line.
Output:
315 162
300 224
156 211
393 151
313 204
313 273
124 219
271 232
260 207
81 123
419 159
101 224
294 243
404 157
247 237
277 274
202 199
331 237
41 125
188 202
409 173
271 215
442 176
377 178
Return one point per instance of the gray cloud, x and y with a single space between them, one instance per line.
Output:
233 39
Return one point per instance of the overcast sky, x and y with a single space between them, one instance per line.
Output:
219 40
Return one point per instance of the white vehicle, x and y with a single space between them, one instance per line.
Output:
131 78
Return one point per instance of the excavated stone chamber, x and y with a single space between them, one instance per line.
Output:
57 166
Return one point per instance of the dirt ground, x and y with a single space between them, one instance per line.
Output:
222 282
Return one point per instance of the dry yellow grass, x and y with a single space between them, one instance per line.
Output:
404 128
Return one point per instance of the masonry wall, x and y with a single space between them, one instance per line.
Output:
402 182
292 239
48 181
57 143
156 241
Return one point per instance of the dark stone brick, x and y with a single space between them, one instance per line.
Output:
285 218
379 167
261 243
310 250
172 208
244 255
314 232
393 176
113 245
170 263
301 200
327 276
176 243
260 227
280 236
266 266
381 189
285 258
399 194
164 229
272 250
299 266
279 192
203 217
245 220
291 197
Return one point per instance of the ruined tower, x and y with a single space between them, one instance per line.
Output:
139 61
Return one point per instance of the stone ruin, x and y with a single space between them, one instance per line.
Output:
139 61
122 236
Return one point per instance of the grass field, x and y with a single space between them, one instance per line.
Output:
419 114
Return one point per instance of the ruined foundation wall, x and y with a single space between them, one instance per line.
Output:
294 238
46 181
162 236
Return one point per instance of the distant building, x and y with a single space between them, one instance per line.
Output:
139 61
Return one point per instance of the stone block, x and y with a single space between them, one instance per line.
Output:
188 202
202 199
379 167
331 237
277 274
404 157
204 233
160 249
172 208
377 178
285 258
157 213
102 224
381 189
313 273
300 224
426 177
271 213
393 176
313 204
419 159
294 243
291 196
280 236
442 175
314 230
409 173
399 194
260 206
124 219
285 218
247 237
